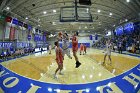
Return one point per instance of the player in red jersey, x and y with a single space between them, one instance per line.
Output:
81 49
59 58
75 49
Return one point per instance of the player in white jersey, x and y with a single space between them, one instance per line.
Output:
65 45
108 51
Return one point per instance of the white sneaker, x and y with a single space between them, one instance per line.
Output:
55 77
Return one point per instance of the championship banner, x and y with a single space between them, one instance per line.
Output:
15 21
96 37
29 37
128 82
8 19
7 30
12 33
90 37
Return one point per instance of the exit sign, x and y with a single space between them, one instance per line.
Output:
2 17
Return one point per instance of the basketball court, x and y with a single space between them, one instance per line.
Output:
34 34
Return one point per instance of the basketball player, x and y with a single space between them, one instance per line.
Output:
65 45
108 51
59 58
50 48
60 36
75 49
81 49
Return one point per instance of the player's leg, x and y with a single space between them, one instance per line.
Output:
61 68
68 53
83 52
105 57
56 70
109 56
50 51
80 51
76 59
75 56
64 52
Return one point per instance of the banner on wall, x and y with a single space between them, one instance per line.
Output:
90 37
25 25
20 23
7 30
15 21
8 19
11 44
128 82
96 37
12 33
29 37
5 45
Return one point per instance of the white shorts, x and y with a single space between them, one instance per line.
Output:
108 53
67 52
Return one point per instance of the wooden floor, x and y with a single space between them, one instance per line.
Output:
42 67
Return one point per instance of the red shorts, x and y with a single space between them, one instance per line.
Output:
81 49
59 63
74 49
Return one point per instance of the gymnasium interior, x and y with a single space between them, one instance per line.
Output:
29 29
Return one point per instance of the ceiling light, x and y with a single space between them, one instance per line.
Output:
110 14
26 18
126 20
54 11
44 12
53 23
98 11
87 10
7 8
85 26
127 1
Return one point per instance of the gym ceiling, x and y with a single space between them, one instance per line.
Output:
45 14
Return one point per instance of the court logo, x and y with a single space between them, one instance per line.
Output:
128 82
